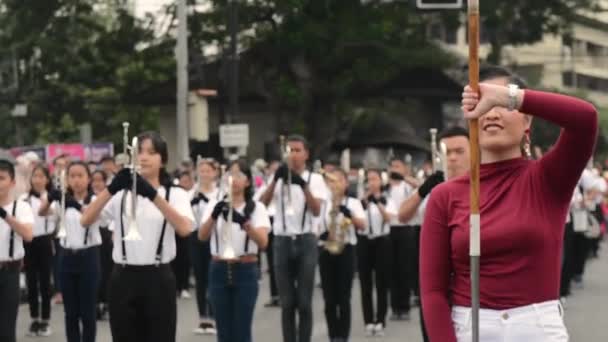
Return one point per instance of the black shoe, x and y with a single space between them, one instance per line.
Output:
33 330
273 303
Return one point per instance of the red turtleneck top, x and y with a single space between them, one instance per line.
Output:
523 207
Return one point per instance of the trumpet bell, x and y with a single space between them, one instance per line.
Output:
62 232
133 233
334 247
289 211
228 253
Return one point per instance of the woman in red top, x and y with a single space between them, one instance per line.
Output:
523 205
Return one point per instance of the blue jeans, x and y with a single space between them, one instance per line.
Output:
200 254
233 290
80 275
295 261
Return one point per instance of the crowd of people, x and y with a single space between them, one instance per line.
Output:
84 238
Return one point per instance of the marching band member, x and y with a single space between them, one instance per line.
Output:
181 263
373 254
16 223
60 163
240 225
295 239
39 254
523 209
80 262
206 192
340 217
456 140
142 287
402 237
99 179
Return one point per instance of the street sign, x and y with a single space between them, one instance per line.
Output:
236 135
439 4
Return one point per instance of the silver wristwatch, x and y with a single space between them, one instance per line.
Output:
513 88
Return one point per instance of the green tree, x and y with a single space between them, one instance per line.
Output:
81 64
309 58
518 22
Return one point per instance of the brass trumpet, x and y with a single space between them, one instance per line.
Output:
286 152
133 231
62 228
228 252
439 157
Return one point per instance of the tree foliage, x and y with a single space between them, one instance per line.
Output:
518 22
81 63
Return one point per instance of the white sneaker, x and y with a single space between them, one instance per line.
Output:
379 329
45 330
185 294
369 330
200 330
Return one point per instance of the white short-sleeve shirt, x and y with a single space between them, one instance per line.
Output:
398 194
241 243
23 214
149 222
78 237
199 208
357 211
300 221
43 225
375 225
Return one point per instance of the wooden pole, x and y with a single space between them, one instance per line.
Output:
474 242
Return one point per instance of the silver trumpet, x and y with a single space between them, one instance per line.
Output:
286 152
439 156
62 229
361 183
133 231
228 252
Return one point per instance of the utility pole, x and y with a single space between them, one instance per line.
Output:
234 62
181 52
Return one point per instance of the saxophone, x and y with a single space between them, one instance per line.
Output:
337 231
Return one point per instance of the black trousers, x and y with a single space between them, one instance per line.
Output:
567 261
373 256
142 304
38 262
106 262
402 238
274 292
581 246
181 263
200 254
337 272
9 302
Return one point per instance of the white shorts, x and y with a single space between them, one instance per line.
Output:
542 322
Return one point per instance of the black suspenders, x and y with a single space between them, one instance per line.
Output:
283 206
11 243
159 247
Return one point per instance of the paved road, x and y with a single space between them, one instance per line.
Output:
586 316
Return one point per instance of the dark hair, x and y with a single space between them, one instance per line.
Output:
47 175
489 72
373 170
160 146
86 168
61 156
454 131
7 166
184 173
299 138
106 159
103 174
397 159
243 167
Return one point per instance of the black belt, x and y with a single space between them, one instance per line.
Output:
68 251
14 265
142 268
